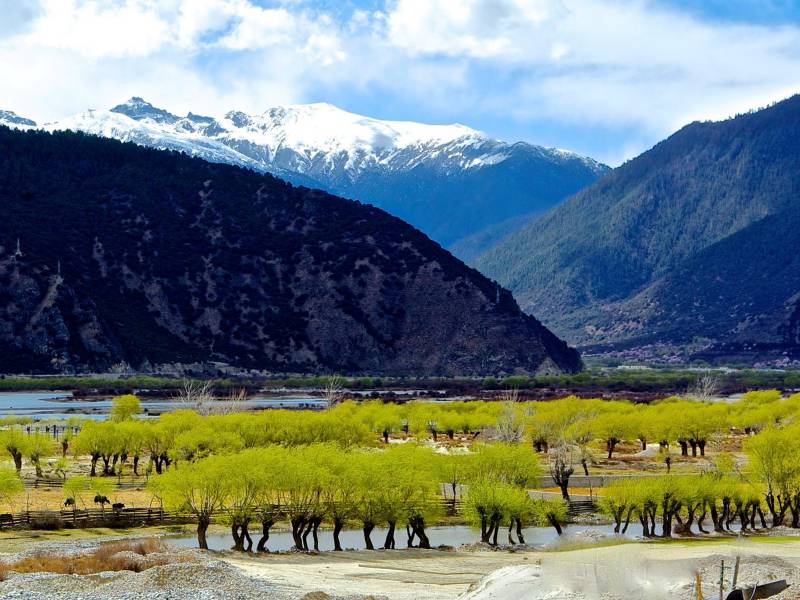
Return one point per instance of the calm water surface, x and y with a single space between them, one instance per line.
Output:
450 535
61 405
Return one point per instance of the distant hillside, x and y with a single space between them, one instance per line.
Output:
450 181
645 255
112 252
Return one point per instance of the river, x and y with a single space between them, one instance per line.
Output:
62 405
447 535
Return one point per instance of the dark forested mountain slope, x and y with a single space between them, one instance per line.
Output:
112 252
658 228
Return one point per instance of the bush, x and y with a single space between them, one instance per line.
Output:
47 522
112 556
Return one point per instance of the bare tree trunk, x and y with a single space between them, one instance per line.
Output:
238 540
410 534
202 527
337 528
388 543
368 527
314 536
266 524
246 536
298 523
520 537
554 522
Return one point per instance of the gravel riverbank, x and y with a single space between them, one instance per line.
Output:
630 571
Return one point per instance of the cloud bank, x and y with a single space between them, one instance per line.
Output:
630 71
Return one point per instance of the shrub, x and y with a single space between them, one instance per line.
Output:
112 556
47 522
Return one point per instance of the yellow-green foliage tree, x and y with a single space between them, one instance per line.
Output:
201 488
15 442
10 485
124 408
37 447
774 456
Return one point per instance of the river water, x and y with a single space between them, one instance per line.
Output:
61 405
448 535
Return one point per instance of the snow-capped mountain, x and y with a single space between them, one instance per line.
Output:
451 181
11 118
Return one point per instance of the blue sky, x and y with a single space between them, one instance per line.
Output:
607 78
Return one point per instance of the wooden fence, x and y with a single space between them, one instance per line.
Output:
83 518
142 517
120 484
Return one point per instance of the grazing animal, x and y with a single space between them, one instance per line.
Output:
69 502
117 506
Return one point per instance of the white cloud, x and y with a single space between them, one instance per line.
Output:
96 29
607 61
625 65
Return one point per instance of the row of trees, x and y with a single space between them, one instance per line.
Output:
568 431
680 502
763 492
583 425
399 487
688 423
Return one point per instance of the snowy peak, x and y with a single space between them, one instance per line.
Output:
8 117
140 110
318 141
327 128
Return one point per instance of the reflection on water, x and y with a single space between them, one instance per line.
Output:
61 405
451 535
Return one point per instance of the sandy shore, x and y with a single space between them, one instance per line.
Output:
397 574
629 570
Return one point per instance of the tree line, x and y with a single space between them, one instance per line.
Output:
373 463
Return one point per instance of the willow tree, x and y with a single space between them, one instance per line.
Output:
246 488
774 456
453 469
131 440
618 501
124 408
10 485
201 488
14 441
271 462
299 492
612 428
341 493
96 439
410 491
368 506
552 512
488 504
38 446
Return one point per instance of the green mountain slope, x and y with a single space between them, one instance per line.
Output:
581 265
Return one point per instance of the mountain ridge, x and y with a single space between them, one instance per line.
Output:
416 172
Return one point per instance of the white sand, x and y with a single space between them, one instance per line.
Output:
630 571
